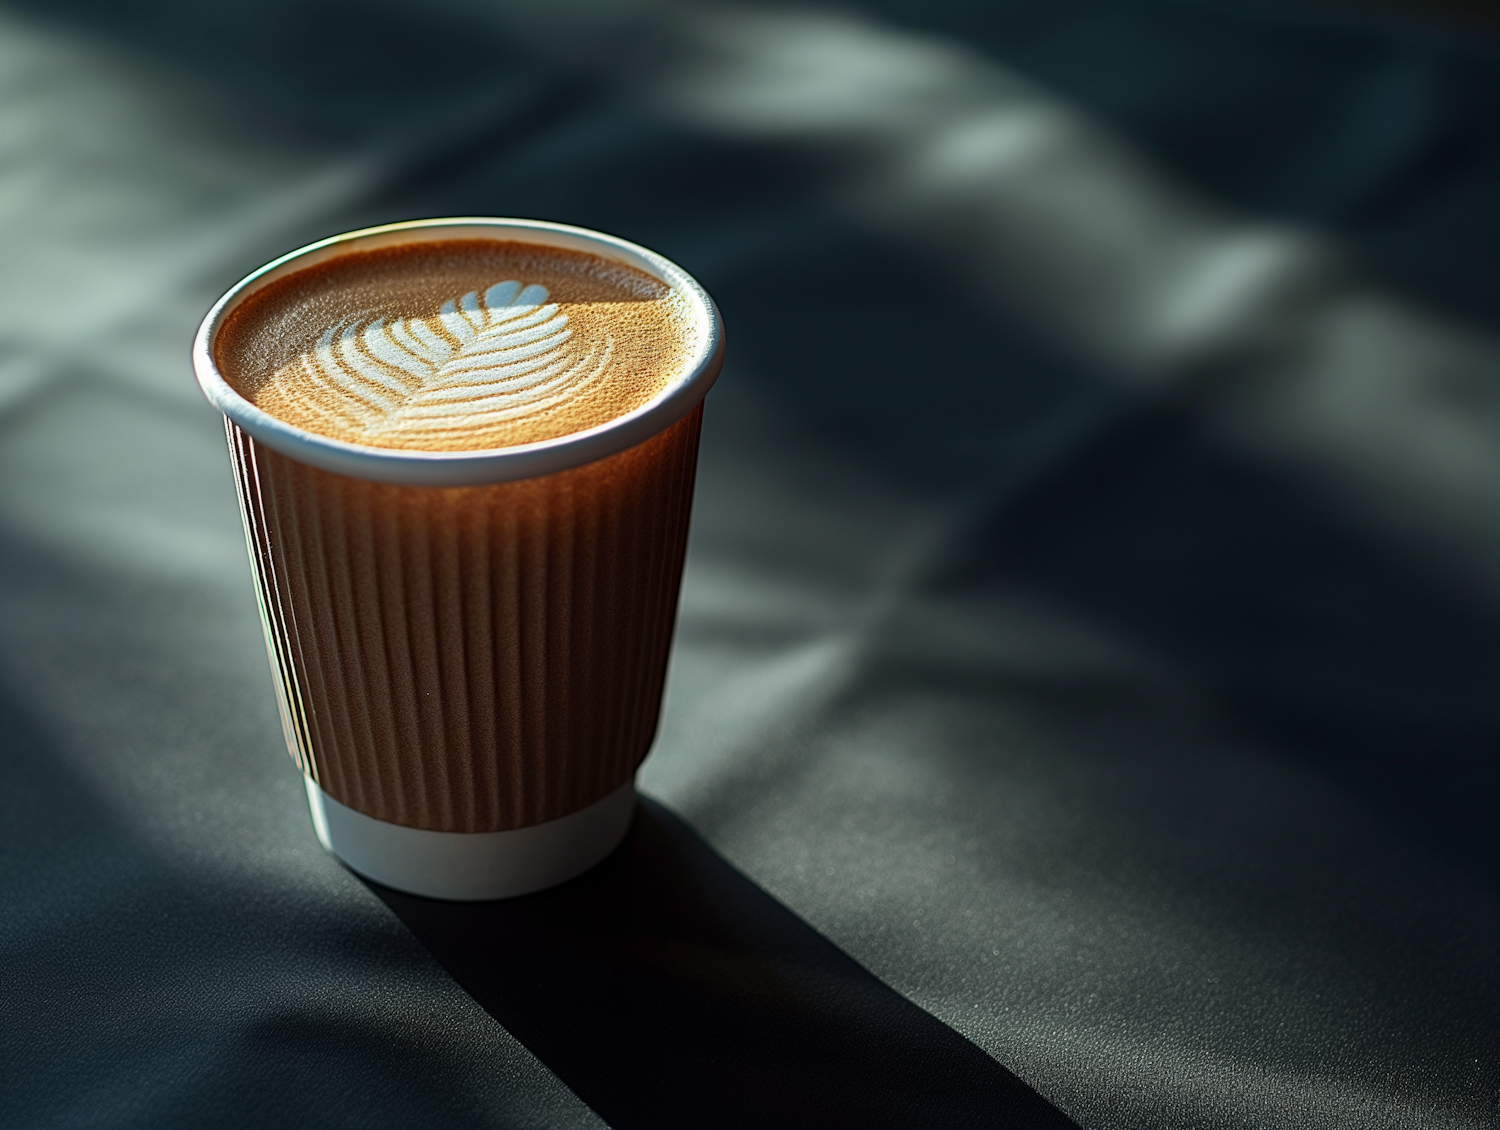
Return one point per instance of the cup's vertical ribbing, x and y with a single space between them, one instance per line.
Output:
470 659
268 590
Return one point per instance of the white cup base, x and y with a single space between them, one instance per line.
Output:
469 866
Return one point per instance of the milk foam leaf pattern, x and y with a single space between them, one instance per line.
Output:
481 361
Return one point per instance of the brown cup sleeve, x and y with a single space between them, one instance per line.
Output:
470 659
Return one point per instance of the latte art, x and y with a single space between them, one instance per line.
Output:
456 344
481 361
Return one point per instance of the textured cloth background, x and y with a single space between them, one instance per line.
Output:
1090 623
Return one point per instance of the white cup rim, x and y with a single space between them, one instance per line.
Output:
493 465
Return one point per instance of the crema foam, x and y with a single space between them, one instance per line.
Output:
456 345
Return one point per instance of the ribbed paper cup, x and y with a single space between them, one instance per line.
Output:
469 648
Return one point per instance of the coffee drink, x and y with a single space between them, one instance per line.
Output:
465 454
456 345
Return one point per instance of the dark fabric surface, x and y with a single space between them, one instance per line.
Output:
1083 705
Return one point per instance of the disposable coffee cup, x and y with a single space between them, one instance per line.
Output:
469 647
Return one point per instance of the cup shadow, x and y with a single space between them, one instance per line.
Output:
667 989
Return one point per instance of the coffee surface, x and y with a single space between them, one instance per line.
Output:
456 345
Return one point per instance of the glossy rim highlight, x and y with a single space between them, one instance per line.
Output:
469 468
